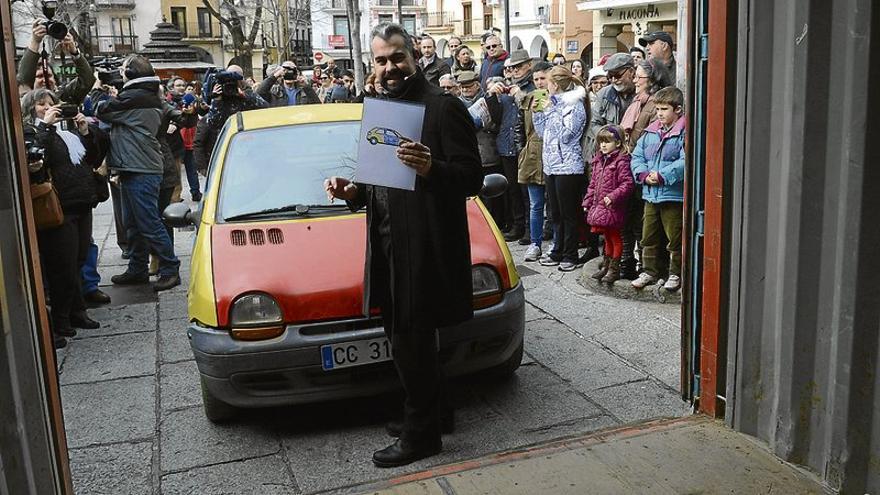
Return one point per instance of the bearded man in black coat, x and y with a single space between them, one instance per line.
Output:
418 260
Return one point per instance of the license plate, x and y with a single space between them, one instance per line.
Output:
356 353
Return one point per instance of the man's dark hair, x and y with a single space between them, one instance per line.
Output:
138 66
347 73
430 38
386 30
559 55
671 96
542 66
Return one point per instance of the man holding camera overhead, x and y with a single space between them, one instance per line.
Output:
32 72
286 86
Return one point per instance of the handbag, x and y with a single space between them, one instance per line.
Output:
102 188
46 206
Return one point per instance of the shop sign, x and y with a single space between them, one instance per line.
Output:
571 46
639 13
336 41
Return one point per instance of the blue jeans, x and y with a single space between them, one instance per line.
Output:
89 271
192 176
146 232
536 213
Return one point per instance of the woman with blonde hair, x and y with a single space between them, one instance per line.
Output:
561 121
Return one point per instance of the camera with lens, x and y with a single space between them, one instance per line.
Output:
68 111
35 152
55 29
108 71
228 82
290 73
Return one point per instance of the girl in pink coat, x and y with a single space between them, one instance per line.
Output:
607 198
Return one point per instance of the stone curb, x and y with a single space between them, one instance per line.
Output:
623 289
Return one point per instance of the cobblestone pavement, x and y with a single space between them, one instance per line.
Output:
135 425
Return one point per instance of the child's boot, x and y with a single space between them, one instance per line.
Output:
613 274
603 268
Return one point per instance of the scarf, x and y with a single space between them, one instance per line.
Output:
75 148
632 113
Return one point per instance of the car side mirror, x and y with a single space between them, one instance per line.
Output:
178 215
494 185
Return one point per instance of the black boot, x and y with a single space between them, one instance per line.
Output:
406 451
589 254
82 320
58 341
628 269
129 278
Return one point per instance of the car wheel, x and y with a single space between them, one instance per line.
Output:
372 141
508 368
216 410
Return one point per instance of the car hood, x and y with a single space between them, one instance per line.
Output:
314 268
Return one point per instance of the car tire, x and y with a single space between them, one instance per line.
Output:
373 141
216 410
508 368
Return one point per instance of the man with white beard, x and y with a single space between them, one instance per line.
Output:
612 100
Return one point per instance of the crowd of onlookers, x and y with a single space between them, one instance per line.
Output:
593 155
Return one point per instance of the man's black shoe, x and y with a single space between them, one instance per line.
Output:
65 332
513 235
525 240
166 282
59 341
403 452
196 196
97 297
125 254
447 425
129 278
82 320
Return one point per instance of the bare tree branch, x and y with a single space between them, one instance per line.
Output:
255 27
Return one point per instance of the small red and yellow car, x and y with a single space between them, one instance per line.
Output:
277 272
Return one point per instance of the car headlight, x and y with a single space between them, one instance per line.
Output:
485 281
254 310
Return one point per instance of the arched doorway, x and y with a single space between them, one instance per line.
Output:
515 43
587 55
539 48
441 49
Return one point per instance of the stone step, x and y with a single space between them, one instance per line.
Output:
623 289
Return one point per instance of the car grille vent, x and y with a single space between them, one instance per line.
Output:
238 238
258 238
276 236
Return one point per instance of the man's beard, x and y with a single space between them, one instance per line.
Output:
399 77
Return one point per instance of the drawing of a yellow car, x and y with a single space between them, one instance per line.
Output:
382 135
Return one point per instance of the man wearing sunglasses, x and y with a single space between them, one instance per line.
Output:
493 64
612 100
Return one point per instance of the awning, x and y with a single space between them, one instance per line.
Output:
182 65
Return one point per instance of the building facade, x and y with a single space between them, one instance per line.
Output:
618 24
330 29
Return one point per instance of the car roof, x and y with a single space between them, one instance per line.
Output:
299 114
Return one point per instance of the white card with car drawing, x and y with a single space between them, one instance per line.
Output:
384 126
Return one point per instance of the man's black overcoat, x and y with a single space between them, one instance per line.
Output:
429 277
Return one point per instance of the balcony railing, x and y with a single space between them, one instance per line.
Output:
197 30
114 4
439 19
114 45
403 3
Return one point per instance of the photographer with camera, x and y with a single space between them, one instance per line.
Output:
286 86
67 159
229 98
136 117
34 69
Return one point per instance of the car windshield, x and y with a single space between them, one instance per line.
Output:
279 167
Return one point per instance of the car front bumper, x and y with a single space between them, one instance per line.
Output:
287 369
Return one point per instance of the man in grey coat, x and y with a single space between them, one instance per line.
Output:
136 156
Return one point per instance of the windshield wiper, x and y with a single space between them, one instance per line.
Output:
298 209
